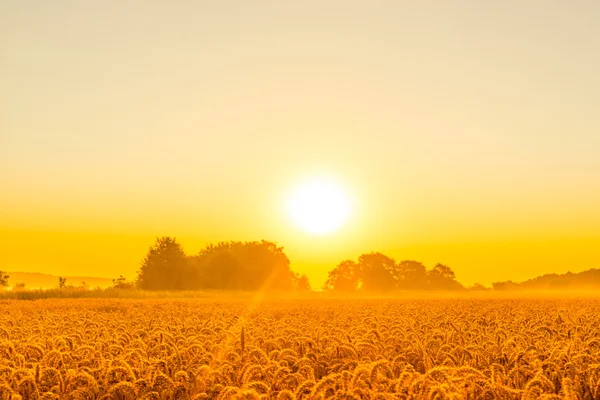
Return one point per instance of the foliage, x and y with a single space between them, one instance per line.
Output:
302 284
165 267
4 277
442 277
344 277
225 266
376 273
478 287
62 282
508 285
412 275
121 283
244 266
589 279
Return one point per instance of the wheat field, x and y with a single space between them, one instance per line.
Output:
300 349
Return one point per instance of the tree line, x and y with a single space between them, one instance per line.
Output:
264 266
225 266
376 272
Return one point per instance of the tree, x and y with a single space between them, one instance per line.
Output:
19 287
62 282
244 266
165 267
478 287
508 285
442 277
218 268
411 275
4 277
376 272
303 284
344 277
122 284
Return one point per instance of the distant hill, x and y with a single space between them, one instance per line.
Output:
35 280
585 280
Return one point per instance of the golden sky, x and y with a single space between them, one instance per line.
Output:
465 132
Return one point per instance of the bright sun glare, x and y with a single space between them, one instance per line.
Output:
319 207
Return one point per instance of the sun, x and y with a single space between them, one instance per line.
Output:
319 207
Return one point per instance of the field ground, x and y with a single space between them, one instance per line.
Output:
299 349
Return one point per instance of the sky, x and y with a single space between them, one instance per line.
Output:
464 132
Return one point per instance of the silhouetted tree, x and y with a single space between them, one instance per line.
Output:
165 267
19 287
62 282
122 283
244 266
508 285
344 277
376 272
442 277
218 267
478 287
4 277
302 283
412 275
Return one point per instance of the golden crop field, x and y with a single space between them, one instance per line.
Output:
300 349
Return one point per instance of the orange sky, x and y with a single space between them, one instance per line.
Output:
466 133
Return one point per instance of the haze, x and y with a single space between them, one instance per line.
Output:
465 132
